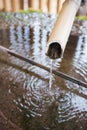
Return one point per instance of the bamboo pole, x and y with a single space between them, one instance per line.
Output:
21 4
43 5
52 6
60 33
29 3
60 4
35 4
86 8
83 9
57 73
25 4
16 5
1 5
8 5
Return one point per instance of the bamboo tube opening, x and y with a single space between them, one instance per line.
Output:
62 28
54 51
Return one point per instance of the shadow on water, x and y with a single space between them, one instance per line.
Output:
25 97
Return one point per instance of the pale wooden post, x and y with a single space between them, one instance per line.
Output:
8 5
35 4
16 5
43 5
61 31
1 5
52 6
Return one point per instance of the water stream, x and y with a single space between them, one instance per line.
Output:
51 75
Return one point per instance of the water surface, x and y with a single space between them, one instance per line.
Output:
26 101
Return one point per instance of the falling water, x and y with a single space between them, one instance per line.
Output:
50 76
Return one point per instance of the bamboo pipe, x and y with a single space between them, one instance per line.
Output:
1 5
8 5
52 6
43 5
57 73
60 33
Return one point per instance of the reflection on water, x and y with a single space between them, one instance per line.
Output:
51 75
80 56
25 88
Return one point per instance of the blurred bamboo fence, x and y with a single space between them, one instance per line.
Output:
48 6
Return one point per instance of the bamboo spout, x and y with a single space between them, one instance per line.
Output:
60 33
